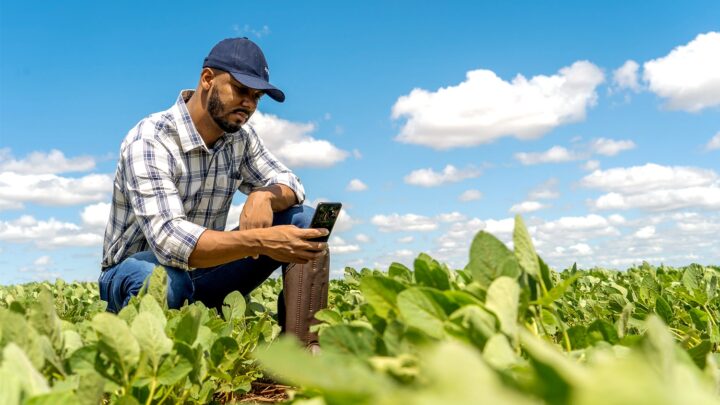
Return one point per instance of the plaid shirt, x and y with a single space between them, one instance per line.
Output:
169 186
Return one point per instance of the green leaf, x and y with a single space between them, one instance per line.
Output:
157 286
699 353
578 335
524 249
400 271
349 339
381 293
151 337
19 372
173 369
502 299
189 325
557 292
234 306
116 341
329 316
341 379
545 273
490 259
498 352
663 309
601 330
429 273
476 325
420 309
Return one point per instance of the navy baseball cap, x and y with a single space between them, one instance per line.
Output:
244 60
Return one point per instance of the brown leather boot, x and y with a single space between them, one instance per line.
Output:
305 292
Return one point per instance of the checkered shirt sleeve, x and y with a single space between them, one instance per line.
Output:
157 204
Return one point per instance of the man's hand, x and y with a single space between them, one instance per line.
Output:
290 244
257 211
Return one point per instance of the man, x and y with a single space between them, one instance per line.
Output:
175 180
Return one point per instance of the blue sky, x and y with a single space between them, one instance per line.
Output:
598 122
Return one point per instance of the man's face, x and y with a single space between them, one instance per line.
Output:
231 104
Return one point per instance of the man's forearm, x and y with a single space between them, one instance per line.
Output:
281 197
214 248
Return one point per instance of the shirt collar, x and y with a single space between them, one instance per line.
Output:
189 136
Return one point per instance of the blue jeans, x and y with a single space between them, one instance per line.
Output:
209 285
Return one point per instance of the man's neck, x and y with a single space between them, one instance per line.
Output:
206 127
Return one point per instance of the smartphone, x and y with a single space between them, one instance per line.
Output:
325 216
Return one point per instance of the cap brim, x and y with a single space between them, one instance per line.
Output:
260 84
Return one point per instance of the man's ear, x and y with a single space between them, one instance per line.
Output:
206 78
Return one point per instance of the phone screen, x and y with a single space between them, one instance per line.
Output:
325 216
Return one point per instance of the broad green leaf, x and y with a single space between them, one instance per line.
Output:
342 379
421 310
189 325
498 352
546 274
429 273
149 305
157 286
692 278
578 335
17 366
349 339
400 271
53 398
173 369
524 249
601 330
381 293
502 300
116 341
43 317
699 353
329 316
457 374
475 323
151 337
557 292
490 259
663 309
234 306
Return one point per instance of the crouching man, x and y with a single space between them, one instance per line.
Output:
175 180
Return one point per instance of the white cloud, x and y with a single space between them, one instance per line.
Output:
581 249
714 143
556 154
404 253
339 246
50 189
591 165
639 179
470 195
526 207
484 107
406 239
53 162
654 187
47 234
451 217
356 185
362 238
545 191
689 76
407 222
430 178
96 216
560 154
345 222
645 232
292 144
626 76
610 147
43 261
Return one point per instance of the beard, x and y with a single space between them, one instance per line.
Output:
216 109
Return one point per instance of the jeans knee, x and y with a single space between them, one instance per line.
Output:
298 215
303 218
